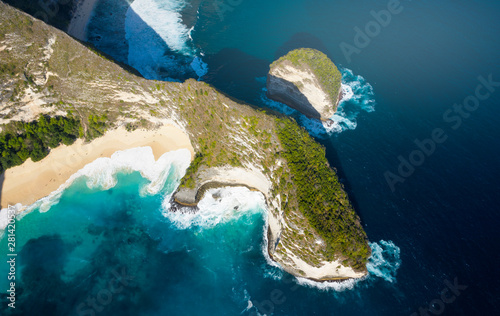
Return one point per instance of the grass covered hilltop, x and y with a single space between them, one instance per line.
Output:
55 89
306 80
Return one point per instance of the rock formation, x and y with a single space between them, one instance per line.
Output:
235 144
306 80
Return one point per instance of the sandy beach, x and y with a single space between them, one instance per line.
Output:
78 24
32 181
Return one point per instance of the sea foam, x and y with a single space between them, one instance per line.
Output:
101 174
160 45
382 264
357 97
384 261
219 205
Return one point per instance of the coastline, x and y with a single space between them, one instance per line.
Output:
31 181
78 24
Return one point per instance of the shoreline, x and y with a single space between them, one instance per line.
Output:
78 25
32 181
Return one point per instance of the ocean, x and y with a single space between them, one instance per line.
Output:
415 142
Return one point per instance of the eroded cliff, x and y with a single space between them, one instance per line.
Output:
313 229
306 80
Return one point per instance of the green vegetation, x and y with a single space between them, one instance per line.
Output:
213 125
328 75
223 131
96 126
20 141
9 68
188 181
321 197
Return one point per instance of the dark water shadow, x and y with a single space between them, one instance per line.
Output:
189 14
333 158
109 17
301 40
233 72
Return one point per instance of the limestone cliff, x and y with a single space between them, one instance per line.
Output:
313 229
306 80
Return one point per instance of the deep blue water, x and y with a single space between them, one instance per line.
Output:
443 217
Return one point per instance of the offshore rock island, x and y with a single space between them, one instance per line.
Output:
306 80
58 93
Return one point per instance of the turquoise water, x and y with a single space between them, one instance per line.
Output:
114 239
439 226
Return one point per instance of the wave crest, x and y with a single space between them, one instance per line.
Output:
101 174
160 45
384 261
219 205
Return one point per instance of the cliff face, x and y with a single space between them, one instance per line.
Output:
306 80
253 178
46 71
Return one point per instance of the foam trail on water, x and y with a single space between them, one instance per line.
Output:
384 261
101 174
162 18
218 205
330 286
357 97
159 43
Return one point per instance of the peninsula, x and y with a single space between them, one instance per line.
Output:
58 93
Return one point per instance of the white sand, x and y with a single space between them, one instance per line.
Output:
78 25
329 270
32 181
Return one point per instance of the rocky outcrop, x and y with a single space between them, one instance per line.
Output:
234 143
284 247
306 80
221 176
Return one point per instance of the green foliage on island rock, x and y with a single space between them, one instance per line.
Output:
325 70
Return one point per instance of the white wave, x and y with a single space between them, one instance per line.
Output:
249 306
357 97
100 174
384 261
219 205
5 217
272 271
148 17
330 286
358 91
190 33
153 29
347 92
